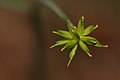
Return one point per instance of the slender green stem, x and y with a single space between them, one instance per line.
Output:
52 6
23 7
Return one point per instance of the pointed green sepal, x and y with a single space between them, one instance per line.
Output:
89 29
69 44
92 41
63 33
89 40
72 54
85 48
98 44
60 42
81 25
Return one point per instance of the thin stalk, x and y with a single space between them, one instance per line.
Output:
54 8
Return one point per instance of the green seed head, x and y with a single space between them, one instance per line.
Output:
77 36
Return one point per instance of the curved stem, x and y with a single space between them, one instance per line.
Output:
52 6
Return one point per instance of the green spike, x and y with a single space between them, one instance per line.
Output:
89 29
81 25
85 48
63 33
60 42
72 54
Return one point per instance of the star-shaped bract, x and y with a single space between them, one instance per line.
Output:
77 36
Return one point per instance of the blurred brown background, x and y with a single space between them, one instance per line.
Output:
17 40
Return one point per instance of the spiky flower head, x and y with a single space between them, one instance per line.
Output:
77 36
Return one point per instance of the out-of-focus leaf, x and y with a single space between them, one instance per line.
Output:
14 1
16 5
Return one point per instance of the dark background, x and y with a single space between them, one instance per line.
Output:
17 40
